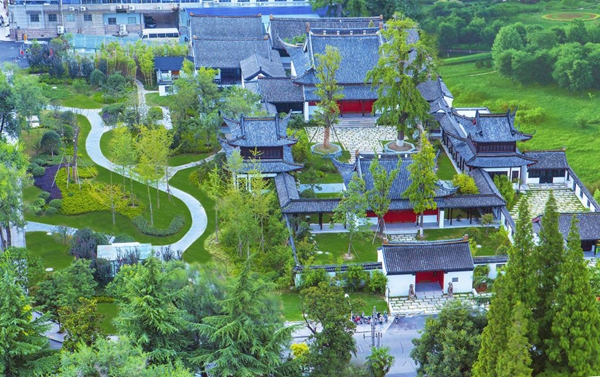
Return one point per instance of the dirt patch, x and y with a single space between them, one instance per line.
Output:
570 16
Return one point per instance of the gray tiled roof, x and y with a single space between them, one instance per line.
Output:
548 159
449 255
473 201
219 53
286 189
589 225
340 267
227 27
259 131
282 28
359 54
491 259
311 206
435 89
278 90
583 188
498 160
168 63
350 92
492 127
256 64
484 182
266 166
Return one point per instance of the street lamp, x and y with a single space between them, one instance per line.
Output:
347 297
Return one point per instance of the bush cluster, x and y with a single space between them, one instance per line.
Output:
142 224
354 279
56 203
36 170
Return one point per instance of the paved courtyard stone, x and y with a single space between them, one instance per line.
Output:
363 139
566 201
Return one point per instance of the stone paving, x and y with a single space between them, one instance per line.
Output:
364 139
566 201
427 304
396 238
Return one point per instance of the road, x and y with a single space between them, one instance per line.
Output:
9 51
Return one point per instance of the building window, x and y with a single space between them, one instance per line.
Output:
34 17
455 280
87 17
52 17
131 20
69 17
112 20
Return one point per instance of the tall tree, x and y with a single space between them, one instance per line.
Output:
24 350
352 210
449 343
423 180
574 348
148 314
215 189
27 98
80 323
124 154
342 8
379 195
249 337
515 359
332 347
154 149
13 175
328 91
404 62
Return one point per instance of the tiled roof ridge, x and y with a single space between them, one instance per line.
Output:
326 19
245 39
258 15
452 241
546 151
579 213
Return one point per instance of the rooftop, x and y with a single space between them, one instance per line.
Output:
259 131
258 65
446 255
226 27
228 53
548 160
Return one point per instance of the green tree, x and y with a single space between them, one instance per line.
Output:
13 175
574 348
124 154
24 350
326 312
380 361
465 183
80 324
148 314
515 359
403 64
449 344
352 211
248 338
215 189
50 142
237 101
508 38
342 8
423 180
328 91
113 359
379 195
506 188
28 98
65 287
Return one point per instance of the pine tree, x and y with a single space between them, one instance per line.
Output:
515 360
546 258
423 180
574 348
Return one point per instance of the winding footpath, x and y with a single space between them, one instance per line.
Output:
92 145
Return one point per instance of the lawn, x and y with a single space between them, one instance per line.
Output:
176 160
292 307
485 87
196 252
68 97
109 311
336 244
53 254
487 241
445 170
154 99
102 221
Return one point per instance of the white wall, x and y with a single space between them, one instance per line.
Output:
430 219
464 283
398 285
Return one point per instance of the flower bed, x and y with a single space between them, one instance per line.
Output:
565 17
44 182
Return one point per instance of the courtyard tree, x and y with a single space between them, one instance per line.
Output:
352 211
326 310
328 91
404 63
379 196
423 180
24 350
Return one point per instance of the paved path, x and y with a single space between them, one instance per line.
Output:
166 120
92 145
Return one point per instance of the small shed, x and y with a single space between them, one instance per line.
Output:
118 253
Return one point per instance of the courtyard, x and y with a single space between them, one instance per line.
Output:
566 201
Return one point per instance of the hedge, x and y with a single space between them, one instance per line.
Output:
56 203
142 224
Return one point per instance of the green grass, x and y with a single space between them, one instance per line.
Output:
196 252
484 87
53 254
68 97
292 304
337 246
176 160
30 193
467 58
328 195
109 311
82 101
102 221
487 242
445 170
154 99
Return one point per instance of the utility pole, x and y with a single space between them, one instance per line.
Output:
373 328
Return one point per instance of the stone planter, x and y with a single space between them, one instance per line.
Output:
336 153
405 153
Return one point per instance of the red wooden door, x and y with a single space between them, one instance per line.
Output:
350 107
430 277
406 216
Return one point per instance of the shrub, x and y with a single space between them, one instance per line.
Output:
506 189
155 113
56 203
378 282
465 183
50 142
142 224
327 167
80 86
104 299
314 276
97 78
355 278
38 171
51 211
45 195
87 172
39 161
121 238
308 193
